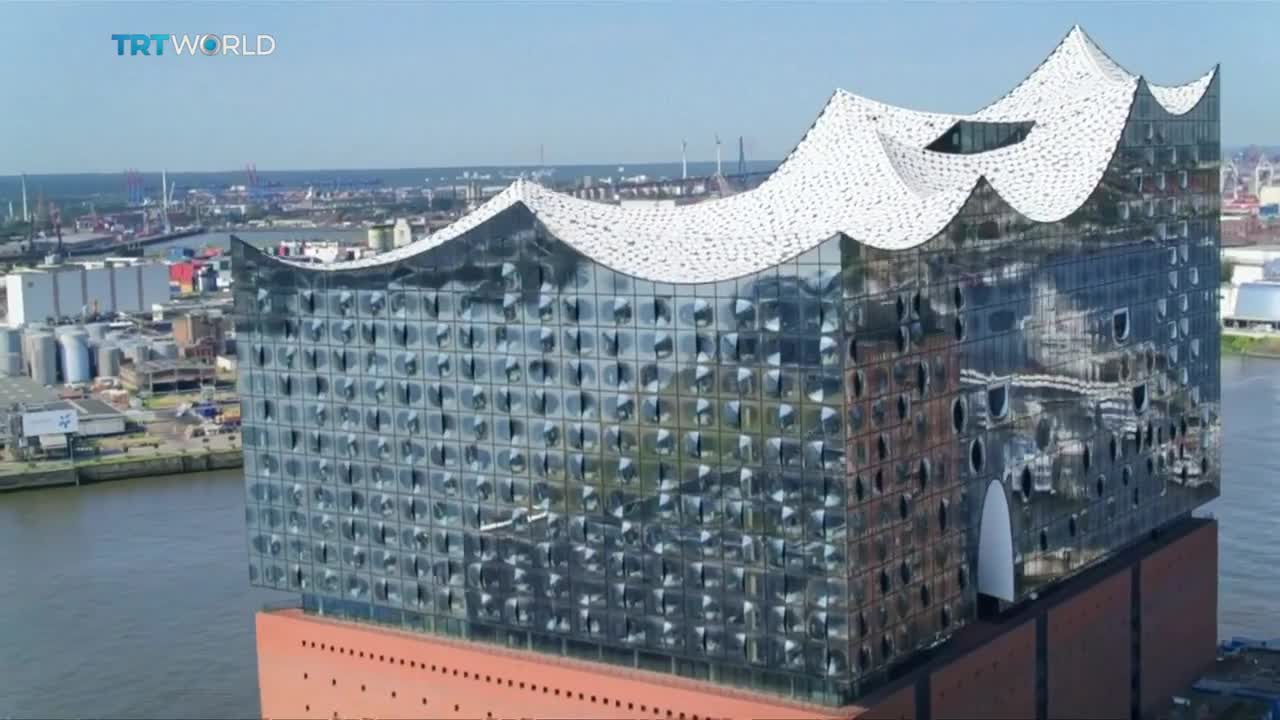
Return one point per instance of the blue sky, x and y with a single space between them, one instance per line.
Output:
364 85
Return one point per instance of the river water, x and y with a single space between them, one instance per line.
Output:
1248 509
132 599
128 600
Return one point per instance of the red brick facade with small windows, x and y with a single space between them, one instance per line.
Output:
1064 656
310 667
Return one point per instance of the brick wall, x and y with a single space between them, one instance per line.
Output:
996 681
1179 615
898 705
1088 653
315 668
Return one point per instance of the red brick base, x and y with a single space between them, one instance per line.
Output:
310 667
1179 616
1089 653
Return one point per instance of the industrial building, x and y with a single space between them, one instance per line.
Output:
320 252
142 355
1251 295
202 328
914 428
21 398
1256 306
56 293
169 374
97 419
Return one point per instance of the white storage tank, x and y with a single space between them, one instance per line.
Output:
380 238
75 357
108 361
27 338
10 341
43 357
165 349
11 351
10 364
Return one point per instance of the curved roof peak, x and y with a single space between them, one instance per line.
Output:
863 169
1175 99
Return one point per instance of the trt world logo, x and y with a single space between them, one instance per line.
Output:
153 44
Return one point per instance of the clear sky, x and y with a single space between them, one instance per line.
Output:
365 85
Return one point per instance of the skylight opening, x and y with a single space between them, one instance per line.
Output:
970 138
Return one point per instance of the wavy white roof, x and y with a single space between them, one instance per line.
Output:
861 170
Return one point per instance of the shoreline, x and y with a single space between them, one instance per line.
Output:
62 475
1250 345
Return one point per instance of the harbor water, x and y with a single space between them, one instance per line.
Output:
132 600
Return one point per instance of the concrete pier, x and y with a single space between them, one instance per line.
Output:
120 469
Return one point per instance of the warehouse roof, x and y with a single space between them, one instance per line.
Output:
23 390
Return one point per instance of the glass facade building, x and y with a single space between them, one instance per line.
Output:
790 479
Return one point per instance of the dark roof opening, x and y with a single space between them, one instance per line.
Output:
969 138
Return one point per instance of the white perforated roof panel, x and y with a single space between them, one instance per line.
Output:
862 170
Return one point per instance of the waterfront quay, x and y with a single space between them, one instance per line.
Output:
162 435
55 473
